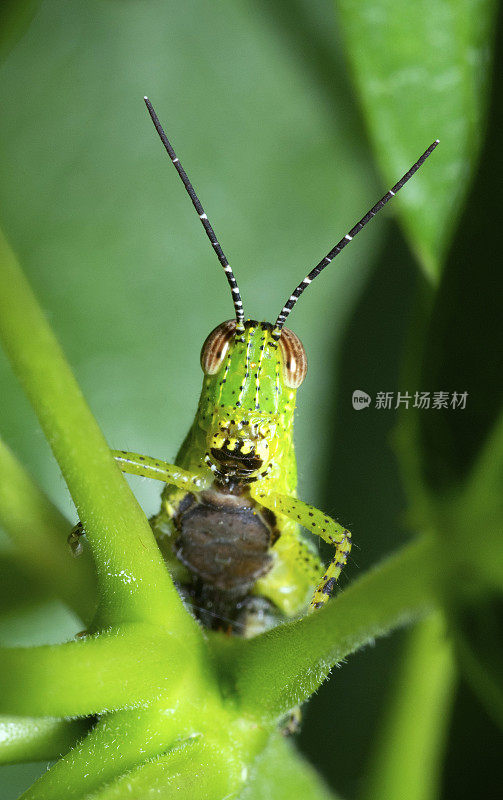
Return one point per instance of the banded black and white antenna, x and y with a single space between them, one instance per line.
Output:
236 296
344 241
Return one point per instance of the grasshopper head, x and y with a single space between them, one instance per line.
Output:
248 397
253 369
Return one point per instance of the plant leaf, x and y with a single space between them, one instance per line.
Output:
421 73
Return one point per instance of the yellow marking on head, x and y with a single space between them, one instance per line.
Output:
261 449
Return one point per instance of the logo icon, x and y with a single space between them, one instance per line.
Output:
360 399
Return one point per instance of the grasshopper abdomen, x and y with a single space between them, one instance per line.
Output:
224 540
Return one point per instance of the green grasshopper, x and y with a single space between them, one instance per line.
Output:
230 521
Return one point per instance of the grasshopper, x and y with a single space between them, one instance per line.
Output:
230 520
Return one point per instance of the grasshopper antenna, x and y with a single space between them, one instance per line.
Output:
236 296
347 238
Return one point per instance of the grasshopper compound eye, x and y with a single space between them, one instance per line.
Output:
216 345
294 359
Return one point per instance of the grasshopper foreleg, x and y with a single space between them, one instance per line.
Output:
319 523
147 467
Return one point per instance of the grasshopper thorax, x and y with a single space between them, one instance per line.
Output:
248 397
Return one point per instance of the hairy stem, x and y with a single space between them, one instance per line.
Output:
111 670
120 742
283 667
194 770
24 739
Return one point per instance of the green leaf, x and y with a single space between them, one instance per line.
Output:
421 73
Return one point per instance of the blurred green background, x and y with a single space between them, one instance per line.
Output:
258 101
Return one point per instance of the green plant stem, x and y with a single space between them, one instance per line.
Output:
119 743
409 750
124 746
38 738
39 532
192 770
110 670
133 581
282 668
